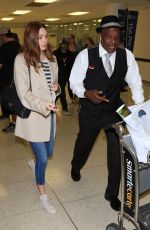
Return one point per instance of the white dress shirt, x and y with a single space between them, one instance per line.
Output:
133 78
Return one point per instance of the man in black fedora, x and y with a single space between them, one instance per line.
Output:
96 78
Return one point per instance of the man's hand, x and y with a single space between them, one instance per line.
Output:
95 96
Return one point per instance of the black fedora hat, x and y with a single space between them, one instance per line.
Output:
109 21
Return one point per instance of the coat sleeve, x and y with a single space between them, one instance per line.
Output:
21 79
54 66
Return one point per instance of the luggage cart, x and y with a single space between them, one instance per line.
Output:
135 180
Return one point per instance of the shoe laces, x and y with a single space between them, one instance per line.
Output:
46 204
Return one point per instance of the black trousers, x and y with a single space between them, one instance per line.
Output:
84 143
62 82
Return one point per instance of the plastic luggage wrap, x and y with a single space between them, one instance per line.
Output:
138 125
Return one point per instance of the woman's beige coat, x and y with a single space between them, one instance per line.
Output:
36 128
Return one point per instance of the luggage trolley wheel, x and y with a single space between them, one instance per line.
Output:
114 226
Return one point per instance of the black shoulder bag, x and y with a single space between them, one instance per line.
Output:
11 101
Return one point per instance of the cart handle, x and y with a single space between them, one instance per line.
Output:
119 128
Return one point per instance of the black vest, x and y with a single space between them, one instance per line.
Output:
96 78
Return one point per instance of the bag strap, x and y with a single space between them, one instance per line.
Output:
30 85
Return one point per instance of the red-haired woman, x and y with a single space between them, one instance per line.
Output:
39 128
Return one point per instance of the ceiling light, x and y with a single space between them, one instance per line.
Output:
78 13
21 12
52 19
7 19
45 1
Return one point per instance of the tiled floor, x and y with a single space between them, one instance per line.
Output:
79 205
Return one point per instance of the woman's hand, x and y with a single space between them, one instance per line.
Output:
51 106
54 86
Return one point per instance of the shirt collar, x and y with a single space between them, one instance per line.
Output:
102 51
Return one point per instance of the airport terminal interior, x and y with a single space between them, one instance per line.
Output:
80 205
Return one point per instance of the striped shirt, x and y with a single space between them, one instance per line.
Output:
47 72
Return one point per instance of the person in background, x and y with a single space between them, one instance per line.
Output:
73 45
39 128
16 38
74 48
65 61
89 43
96 78
8 51
12 117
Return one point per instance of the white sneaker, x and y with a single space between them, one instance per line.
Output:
46 204
31 164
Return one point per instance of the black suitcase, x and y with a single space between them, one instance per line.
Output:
144 217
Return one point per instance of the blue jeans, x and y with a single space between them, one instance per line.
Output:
42 150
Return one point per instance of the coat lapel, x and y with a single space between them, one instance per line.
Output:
43 80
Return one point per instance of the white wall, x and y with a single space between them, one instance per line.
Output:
20 32
142 42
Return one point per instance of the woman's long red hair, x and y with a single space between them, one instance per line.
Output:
31 49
